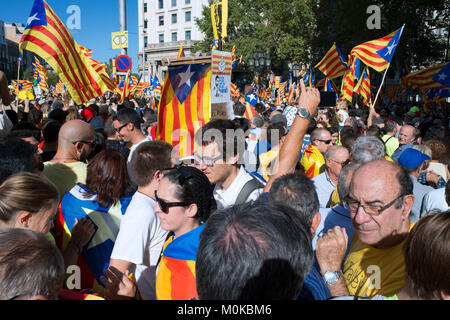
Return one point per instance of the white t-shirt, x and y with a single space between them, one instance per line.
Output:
434 200
133 147
228 197
140 241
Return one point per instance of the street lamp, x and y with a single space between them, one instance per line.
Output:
259 61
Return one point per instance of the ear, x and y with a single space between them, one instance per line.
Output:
315 223
408 202
191 210
23 219
233 160
78 146
157 175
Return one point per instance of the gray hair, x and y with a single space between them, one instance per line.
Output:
368 148
258 121
332 150
343 187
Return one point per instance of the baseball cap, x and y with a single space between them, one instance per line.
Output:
88 113
412 158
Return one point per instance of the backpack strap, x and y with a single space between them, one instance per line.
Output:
247 189
388 140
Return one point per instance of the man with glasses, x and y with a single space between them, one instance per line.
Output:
127 124
380 201
68 167
312 159
219 155
336 157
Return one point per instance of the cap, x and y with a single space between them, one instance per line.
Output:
412 158
88 113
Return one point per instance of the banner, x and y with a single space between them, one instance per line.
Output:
219 19
221 77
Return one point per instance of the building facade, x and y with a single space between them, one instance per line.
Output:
164 25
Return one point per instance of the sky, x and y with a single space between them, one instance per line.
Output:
98 19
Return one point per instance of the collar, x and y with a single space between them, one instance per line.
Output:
231 193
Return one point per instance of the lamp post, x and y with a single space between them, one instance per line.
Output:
259 62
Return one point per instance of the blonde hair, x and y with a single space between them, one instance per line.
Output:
26 192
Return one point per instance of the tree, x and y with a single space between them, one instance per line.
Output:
283 28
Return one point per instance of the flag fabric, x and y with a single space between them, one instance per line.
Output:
184 105
157 86
23 85
311 80
328 87
59 87
378 53
333 64
40 75
261 93
95 255
176 271
292 90
46 36
363 87
181 52
250 101
350 79
403 73
233 57
233 89
125 91
434 77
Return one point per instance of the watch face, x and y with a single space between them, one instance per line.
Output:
303 112
330 277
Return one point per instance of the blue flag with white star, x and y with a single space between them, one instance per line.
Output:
443 76
184 78
388 52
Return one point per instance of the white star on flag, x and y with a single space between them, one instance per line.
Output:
32 18
252 97
442 76
390 48
185 77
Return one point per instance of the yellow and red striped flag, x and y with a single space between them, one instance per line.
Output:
434 77
250 101
363 87
233 90
333 64
59 88
378 53
184 106
23 85
40 75
348 82
181 52
125 90
46 36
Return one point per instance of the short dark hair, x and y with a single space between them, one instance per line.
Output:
35 116
253 251
274 130
297 191
129 115
30 265
50 130
17 156
149 157
192 186
427 256
239 109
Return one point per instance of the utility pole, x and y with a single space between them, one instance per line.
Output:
123 20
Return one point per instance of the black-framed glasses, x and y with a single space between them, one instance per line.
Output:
208 161
369 209
166 205
90 143
120 128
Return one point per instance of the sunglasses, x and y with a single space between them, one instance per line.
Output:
166 205
325 141
91 144
120 128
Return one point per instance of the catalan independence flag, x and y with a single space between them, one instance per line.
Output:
181 52
363 87
46 36
250 101
333 64
95 255
126 89
40 75
184 105
434 77
176 271
350 79
378 53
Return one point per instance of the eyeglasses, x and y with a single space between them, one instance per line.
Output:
166 205
326 141
120 128
369 209
90 143
209 162
343 164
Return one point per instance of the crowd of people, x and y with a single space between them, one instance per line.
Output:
299 202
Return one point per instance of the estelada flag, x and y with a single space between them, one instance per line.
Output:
184 105
333 63
434 77
46 36
250 101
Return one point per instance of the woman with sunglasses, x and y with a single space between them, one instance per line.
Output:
184 201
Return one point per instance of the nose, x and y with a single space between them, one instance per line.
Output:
361 216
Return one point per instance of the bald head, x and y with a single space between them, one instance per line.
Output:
74 130
407 134
376 174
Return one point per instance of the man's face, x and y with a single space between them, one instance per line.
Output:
375 188
219 171
337 162
122 132
406 135
324 141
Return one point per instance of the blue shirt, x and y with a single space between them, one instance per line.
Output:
324 188
314 288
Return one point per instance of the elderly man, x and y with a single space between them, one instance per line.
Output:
380 200
406 139
336 158
68 166
312 159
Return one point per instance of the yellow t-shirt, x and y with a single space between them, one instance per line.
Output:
65 175
369 271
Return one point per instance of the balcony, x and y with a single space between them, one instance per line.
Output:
169 46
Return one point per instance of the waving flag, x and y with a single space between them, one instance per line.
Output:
157 86
181 52
333 64
184 105
434 77
46 36
40 75
234 91
363 87
233 57
176 272
329 87
349 80
378 53
23 85
125 91
250 101
95 255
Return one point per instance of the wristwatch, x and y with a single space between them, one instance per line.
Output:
304 113
331 277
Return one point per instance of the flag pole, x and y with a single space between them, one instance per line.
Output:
385 72
18 72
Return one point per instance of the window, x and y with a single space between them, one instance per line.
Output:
145 24
174 36
187 1
145 6
174 3
145 41
187 35
161 38
174 18
187 16
160 4
161 20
